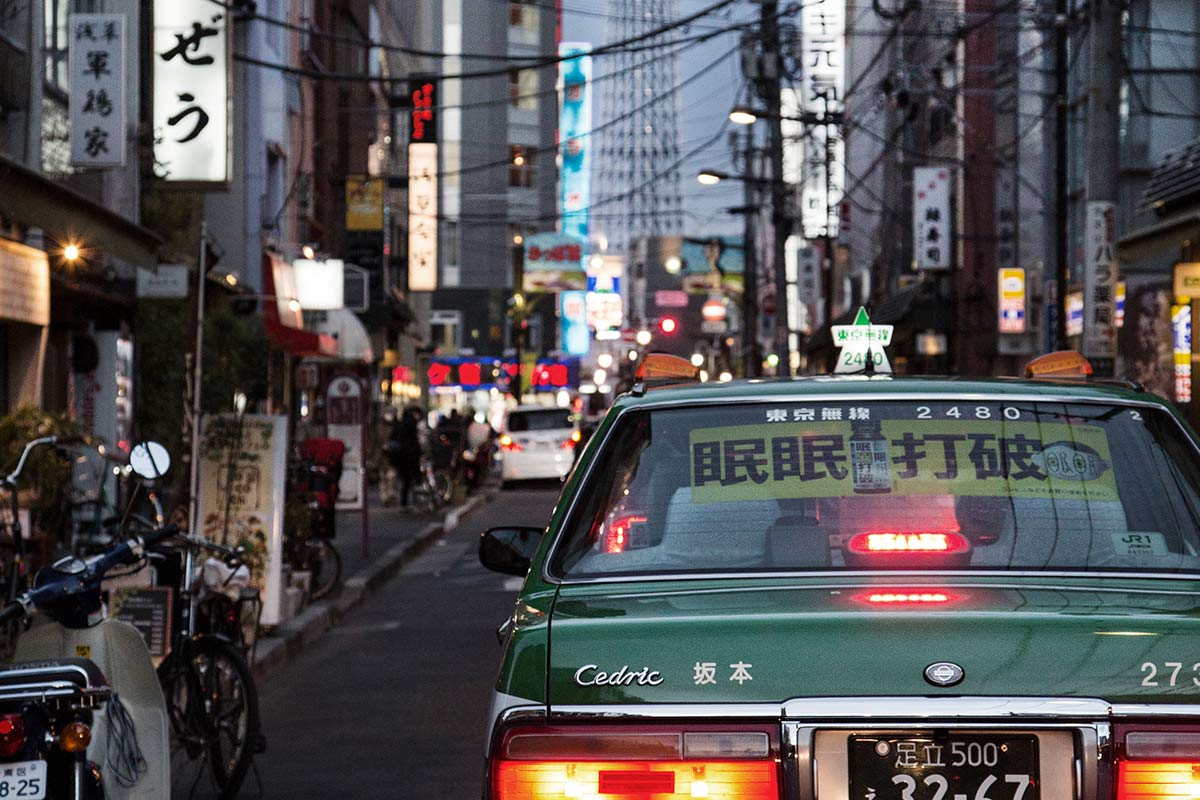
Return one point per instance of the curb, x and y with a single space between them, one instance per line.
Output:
293 636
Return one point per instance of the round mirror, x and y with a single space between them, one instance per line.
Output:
150 460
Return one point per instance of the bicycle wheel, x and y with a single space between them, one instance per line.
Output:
443 486
212 704
325 564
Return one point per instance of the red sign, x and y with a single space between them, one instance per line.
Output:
423 127
562 252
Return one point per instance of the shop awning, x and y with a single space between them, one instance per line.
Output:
33 199
353 341
285 326
1162 238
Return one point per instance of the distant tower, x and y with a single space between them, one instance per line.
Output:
637 175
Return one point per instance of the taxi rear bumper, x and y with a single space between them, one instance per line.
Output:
1075 735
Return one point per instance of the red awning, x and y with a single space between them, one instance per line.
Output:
285 328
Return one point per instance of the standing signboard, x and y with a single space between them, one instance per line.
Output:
191 91
243 474
344 415
1099 287
98 109
931 218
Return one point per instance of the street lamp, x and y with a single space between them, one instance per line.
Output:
741 115
710 177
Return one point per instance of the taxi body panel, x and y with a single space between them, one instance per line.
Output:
815 651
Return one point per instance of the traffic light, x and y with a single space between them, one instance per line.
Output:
668 325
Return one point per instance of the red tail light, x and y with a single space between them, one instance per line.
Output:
509 444
617 534
906 597
626 763
12 735
1158 762
939 543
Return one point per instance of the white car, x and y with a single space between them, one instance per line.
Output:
537 443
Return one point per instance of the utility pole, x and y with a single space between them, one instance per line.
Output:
1103 166
1061 249
750 264
769 88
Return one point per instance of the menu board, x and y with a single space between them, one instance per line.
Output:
149 610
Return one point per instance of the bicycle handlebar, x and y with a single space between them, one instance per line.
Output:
12 478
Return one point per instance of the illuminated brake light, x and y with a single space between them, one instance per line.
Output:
666 764
901 598
509 444
1160 762
616 536
938 543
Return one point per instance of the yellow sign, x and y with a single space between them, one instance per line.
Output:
364 203
1187 279
901 457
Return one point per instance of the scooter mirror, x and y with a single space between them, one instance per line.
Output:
149 460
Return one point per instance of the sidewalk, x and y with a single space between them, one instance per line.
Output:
395 537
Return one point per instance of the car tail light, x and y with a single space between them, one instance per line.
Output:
12 735
663 763
1158 763
568 444
910 543
617 534
510 445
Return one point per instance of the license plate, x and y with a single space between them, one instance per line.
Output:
943 767
23 779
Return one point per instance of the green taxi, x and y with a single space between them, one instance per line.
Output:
860 587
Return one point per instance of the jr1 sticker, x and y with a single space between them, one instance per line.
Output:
1144 543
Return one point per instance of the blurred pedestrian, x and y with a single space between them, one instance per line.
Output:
403 450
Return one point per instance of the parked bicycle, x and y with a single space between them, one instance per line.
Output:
211 696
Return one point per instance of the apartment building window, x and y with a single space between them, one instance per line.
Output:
520 166
522 14
522 89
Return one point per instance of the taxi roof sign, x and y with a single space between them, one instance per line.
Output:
862 345
1059 364
664 367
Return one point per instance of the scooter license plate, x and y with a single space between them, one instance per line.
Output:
23 779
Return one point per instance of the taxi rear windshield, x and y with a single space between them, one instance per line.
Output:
888 485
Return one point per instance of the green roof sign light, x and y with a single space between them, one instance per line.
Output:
862 345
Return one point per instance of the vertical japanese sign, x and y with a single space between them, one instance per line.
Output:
575 133
931 217
573 318
1099 286
1181 346
422 217
423 187
1012 300
823 47
808 269
98 110
191 91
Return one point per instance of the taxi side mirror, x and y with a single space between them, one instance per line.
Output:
509 550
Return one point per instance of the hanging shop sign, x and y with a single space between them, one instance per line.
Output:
25 276
191 91
1099 286
345 415
715 264
242 480
97 94
931 218
364 203
1012 300
823 45
168 282
1187 279
555 262
572 308
422 217
808 285
575 134
320 285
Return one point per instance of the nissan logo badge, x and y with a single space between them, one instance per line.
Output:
944 673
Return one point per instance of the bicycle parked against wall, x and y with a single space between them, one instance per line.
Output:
211 696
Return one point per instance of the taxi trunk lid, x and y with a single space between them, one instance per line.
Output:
768 640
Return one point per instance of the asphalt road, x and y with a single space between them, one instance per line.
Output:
393 702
